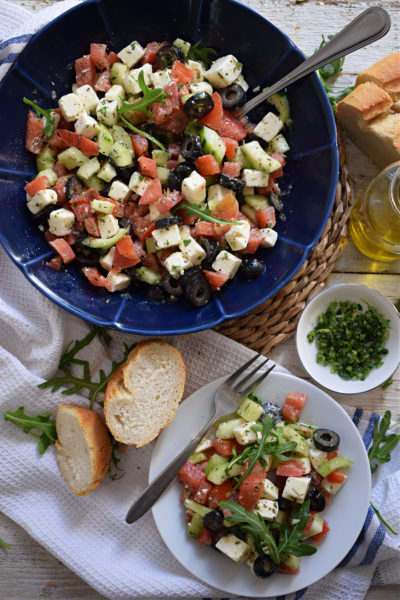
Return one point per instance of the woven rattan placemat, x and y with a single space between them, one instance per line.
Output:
275 320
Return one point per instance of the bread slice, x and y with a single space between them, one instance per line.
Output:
84 447
385 73
365 102
144 393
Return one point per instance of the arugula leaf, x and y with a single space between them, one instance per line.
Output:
49 127
291 536
258 451
67 357
4 544
382 518
27 423
254 524
141 132
382 444
201 54
204 213
332 70
150 96
116 447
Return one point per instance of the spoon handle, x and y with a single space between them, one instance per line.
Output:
369 26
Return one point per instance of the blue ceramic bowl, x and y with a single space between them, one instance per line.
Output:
46 65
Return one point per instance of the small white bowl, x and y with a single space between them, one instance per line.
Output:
307 351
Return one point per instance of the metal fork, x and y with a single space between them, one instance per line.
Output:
227 396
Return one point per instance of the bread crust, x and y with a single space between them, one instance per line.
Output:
365 102
385 73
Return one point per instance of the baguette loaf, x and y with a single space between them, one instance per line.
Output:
84 447
385 73
144 393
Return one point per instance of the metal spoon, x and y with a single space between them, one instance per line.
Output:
369 26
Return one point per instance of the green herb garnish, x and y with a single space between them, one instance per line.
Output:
49 127
115 459
4 544
41 422
141 132
150 96
201 54
349 339
332 70
204 213
291 537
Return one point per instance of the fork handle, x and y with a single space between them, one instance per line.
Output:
158 485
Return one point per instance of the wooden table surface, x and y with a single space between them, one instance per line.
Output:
28 571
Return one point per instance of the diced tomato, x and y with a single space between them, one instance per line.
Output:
181 73
126 247
309 523
168 201
55 263
266 217
231 128
176 122
98 56
316 476
252 486
232 169
92 227
94 276
318 537
219 493
150 261
148 166
276 174
63 249
113 58
34 133
187 219
255 239
204 489
34 186
332 454
230 147
293 404
279 157
122 262
62 122
143 227
150 52
183 90
161 112
216 280
86 146
327 497
174 150
140 144
49 237
59 169
204 228
85 71
119 208
225 447
287 570
59 188
152 193
214 118
56 142
132 209
291 468
336 477
227 208
70 238
205 537
191 476
162 255
172 163
207 165
103 83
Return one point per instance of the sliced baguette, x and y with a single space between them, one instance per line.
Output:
144 393
84 447
385 73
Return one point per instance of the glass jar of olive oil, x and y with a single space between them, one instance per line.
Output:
375 218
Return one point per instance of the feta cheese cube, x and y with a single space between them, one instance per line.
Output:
270 236
270 490
192 250
317 457
116 92
176 264
106 261
253 178
119 191
201 86
198 70
184 232
215 193
242 82
167 237
86 125
233 547
296 489
162 78
224 71
70 106
108 226
107 111
131 54
205 444
154 213
194 188
88 97
131 79
245 433
61 221
139 183
117 281
305 463
41 199
226 263
238 235
269 126
268 509
331 486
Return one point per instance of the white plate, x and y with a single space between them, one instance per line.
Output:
307 352
345 515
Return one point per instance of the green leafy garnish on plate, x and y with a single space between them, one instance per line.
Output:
4 544
49 127
201 54
27 423
332 70
150 96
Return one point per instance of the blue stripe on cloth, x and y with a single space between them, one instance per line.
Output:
15 40
358 413
374 546
9 58
300 594
369 432
359 540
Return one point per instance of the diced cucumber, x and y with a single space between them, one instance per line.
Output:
104 139
241 157
316 526
257 202
89 168
45 160
281 103
186 97
214 461
291 561
304 430
121 154
291 435
197 457
259 159
184 46
104 243
218 474
225 429
250 410
161 157
120 135
102 206
197 508
94 182
338 462
279 144
148 276
235 470
107 171
117 72
212 143
250 213
195 526
151 246
163 174
72 158
50 175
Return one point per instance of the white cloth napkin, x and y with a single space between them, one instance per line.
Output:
89 534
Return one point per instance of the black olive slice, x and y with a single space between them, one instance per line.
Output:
231 183
317 501
189 275
41 218
232 96
217 535
191 147
311 487
252 137
74 186
263 566
284 505
167 55
155 293
211 248
126 224
124 173
326 440
198 105
278 205
197 290
167 221
178 174
214 520
171 285
251 268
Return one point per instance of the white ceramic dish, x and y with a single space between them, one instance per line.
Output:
345 515
307 351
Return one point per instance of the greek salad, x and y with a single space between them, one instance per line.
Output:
256 488
146 179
